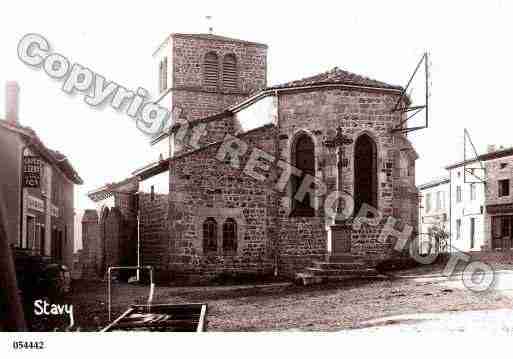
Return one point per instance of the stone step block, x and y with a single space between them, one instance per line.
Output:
361 272
343 257
339 265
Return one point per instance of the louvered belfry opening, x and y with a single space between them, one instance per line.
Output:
230 72
211 70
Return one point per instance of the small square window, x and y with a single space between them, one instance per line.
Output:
503 165
503 187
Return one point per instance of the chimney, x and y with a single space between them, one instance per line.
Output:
492 148
11 101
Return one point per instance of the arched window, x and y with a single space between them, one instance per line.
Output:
230 235
303 158
211 70
210 235
230 72
365 173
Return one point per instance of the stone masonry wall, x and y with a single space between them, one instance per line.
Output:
189 52
319 113
154 233
90 244
496 169
110 239
214 131
200 104
189 92
202 187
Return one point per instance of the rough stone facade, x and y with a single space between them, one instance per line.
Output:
497 204
109 235
200 187
220 221
188 62
154 233
188 91
90 244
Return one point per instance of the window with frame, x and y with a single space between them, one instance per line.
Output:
211 70
503 188
439 200
472 232
41 233
230 72
472 191
30 233
458 228
458 194
505 226
428 202
210 235
496 227
163 75
229 236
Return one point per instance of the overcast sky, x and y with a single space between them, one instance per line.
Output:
469 42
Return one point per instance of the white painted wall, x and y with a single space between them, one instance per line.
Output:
260 113
433 213
165 50
160 183
161 149
465 210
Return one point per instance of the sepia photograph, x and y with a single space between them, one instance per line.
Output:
301 178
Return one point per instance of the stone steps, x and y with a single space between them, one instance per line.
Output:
340 272
339 265
344 257
336 268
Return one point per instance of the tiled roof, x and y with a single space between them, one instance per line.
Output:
129 184
337 76
501 152
57 158
435 182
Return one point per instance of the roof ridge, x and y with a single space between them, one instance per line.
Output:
337 75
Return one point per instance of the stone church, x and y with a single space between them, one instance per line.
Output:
198 211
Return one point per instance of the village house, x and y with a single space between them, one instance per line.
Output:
499 199
479 213
196 212
433 211
466 198
456 204
39 209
